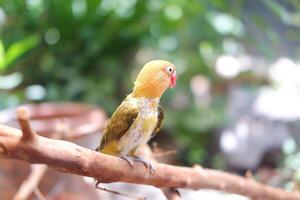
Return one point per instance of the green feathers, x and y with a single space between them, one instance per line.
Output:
122 121
119 123
160 118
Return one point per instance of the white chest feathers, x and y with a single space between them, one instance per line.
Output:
143 126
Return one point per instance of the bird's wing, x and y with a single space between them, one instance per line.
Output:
120 122
160 119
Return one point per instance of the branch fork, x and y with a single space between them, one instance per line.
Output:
23 118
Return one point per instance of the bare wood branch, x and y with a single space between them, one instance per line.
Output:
71 158
171 194
31 183
165 153
145 151
37 171
38 194
23 118
130 196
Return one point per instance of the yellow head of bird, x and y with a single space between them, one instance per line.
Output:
154 78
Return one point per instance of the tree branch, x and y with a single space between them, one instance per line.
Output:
70 158
145 151
31 183
37 171
23 119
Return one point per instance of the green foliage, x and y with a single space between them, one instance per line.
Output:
15 50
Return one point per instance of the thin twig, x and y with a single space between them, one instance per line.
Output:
130 196
249 174
171 194
145 151
31 183
164 153
38 194
23 119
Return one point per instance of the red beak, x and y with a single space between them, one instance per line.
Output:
173 80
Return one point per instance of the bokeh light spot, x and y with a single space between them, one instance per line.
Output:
228 66
226 24
173 12
79 8
52 36
2 17
168 43
35 92
10 81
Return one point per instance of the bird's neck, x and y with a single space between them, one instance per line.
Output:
148 91
146 103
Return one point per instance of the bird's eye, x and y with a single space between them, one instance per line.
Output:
169 70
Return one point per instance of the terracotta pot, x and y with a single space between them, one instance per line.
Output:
45 118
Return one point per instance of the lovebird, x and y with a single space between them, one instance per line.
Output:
139 117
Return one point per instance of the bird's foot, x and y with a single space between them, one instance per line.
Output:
176 191
147 164
97 184
129 160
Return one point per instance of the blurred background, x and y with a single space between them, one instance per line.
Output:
236 104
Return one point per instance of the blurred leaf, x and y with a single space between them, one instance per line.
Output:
279 10
2 56
17 49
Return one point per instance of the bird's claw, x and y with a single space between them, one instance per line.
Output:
147 164
129 160
97 184
175 190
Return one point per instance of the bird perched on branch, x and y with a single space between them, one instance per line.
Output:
139 117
